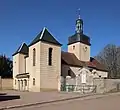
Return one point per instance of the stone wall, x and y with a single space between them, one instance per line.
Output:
100 85
6 84
107 85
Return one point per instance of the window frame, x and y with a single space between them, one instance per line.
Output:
50 54
33 81
34 57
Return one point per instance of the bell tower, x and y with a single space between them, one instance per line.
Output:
79 43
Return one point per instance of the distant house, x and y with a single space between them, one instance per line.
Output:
42 66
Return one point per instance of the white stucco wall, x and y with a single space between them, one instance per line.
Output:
50 75
34 71
27 65
78 71
22 63
15 65
79 51
46 77
18 66
99 73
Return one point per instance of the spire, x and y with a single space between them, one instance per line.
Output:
79 24
79 13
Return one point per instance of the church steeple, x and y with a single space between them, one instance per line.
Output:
79 43
79 24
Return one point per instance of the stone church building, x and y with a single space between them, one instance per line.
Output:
43 66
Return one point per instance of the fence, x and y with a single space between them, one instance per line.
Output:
6 83
79 88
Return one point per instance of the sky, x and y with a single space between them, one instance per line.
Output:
22 20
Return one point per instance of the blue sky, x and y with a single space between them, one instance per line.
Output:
22 20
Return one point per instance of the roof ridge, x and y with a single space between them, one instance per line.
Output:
42 32
50 32
21 46
68 52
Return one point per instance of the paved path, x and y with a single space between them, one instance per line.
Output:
35 98
111 102
58 101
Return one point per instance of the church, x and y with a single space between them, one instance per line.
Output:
43 66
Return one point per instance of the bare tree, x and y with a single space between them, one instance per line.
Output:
110 57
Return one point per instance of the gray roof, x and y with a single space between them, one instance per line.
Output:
23 49
79 37
45 36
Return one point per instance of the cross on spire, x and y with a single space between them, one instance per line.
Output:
79 13
79 23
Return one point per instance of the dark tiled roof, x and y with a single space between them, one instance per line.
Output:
23 49
70 59
45 36
79 37
98 65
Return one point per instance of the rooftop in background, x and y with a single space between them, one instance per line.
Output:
71 59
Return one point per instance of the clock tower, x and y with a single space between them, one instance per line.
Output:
79 43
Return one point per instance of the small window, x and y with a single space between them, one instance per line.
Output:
34 57
73 47
25 81
50 56
69 73
33 81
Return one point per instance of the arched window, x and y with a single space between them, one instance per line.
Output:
34 57
50 56
33 81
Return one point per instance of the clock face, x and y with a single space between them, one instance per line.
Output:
85 48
